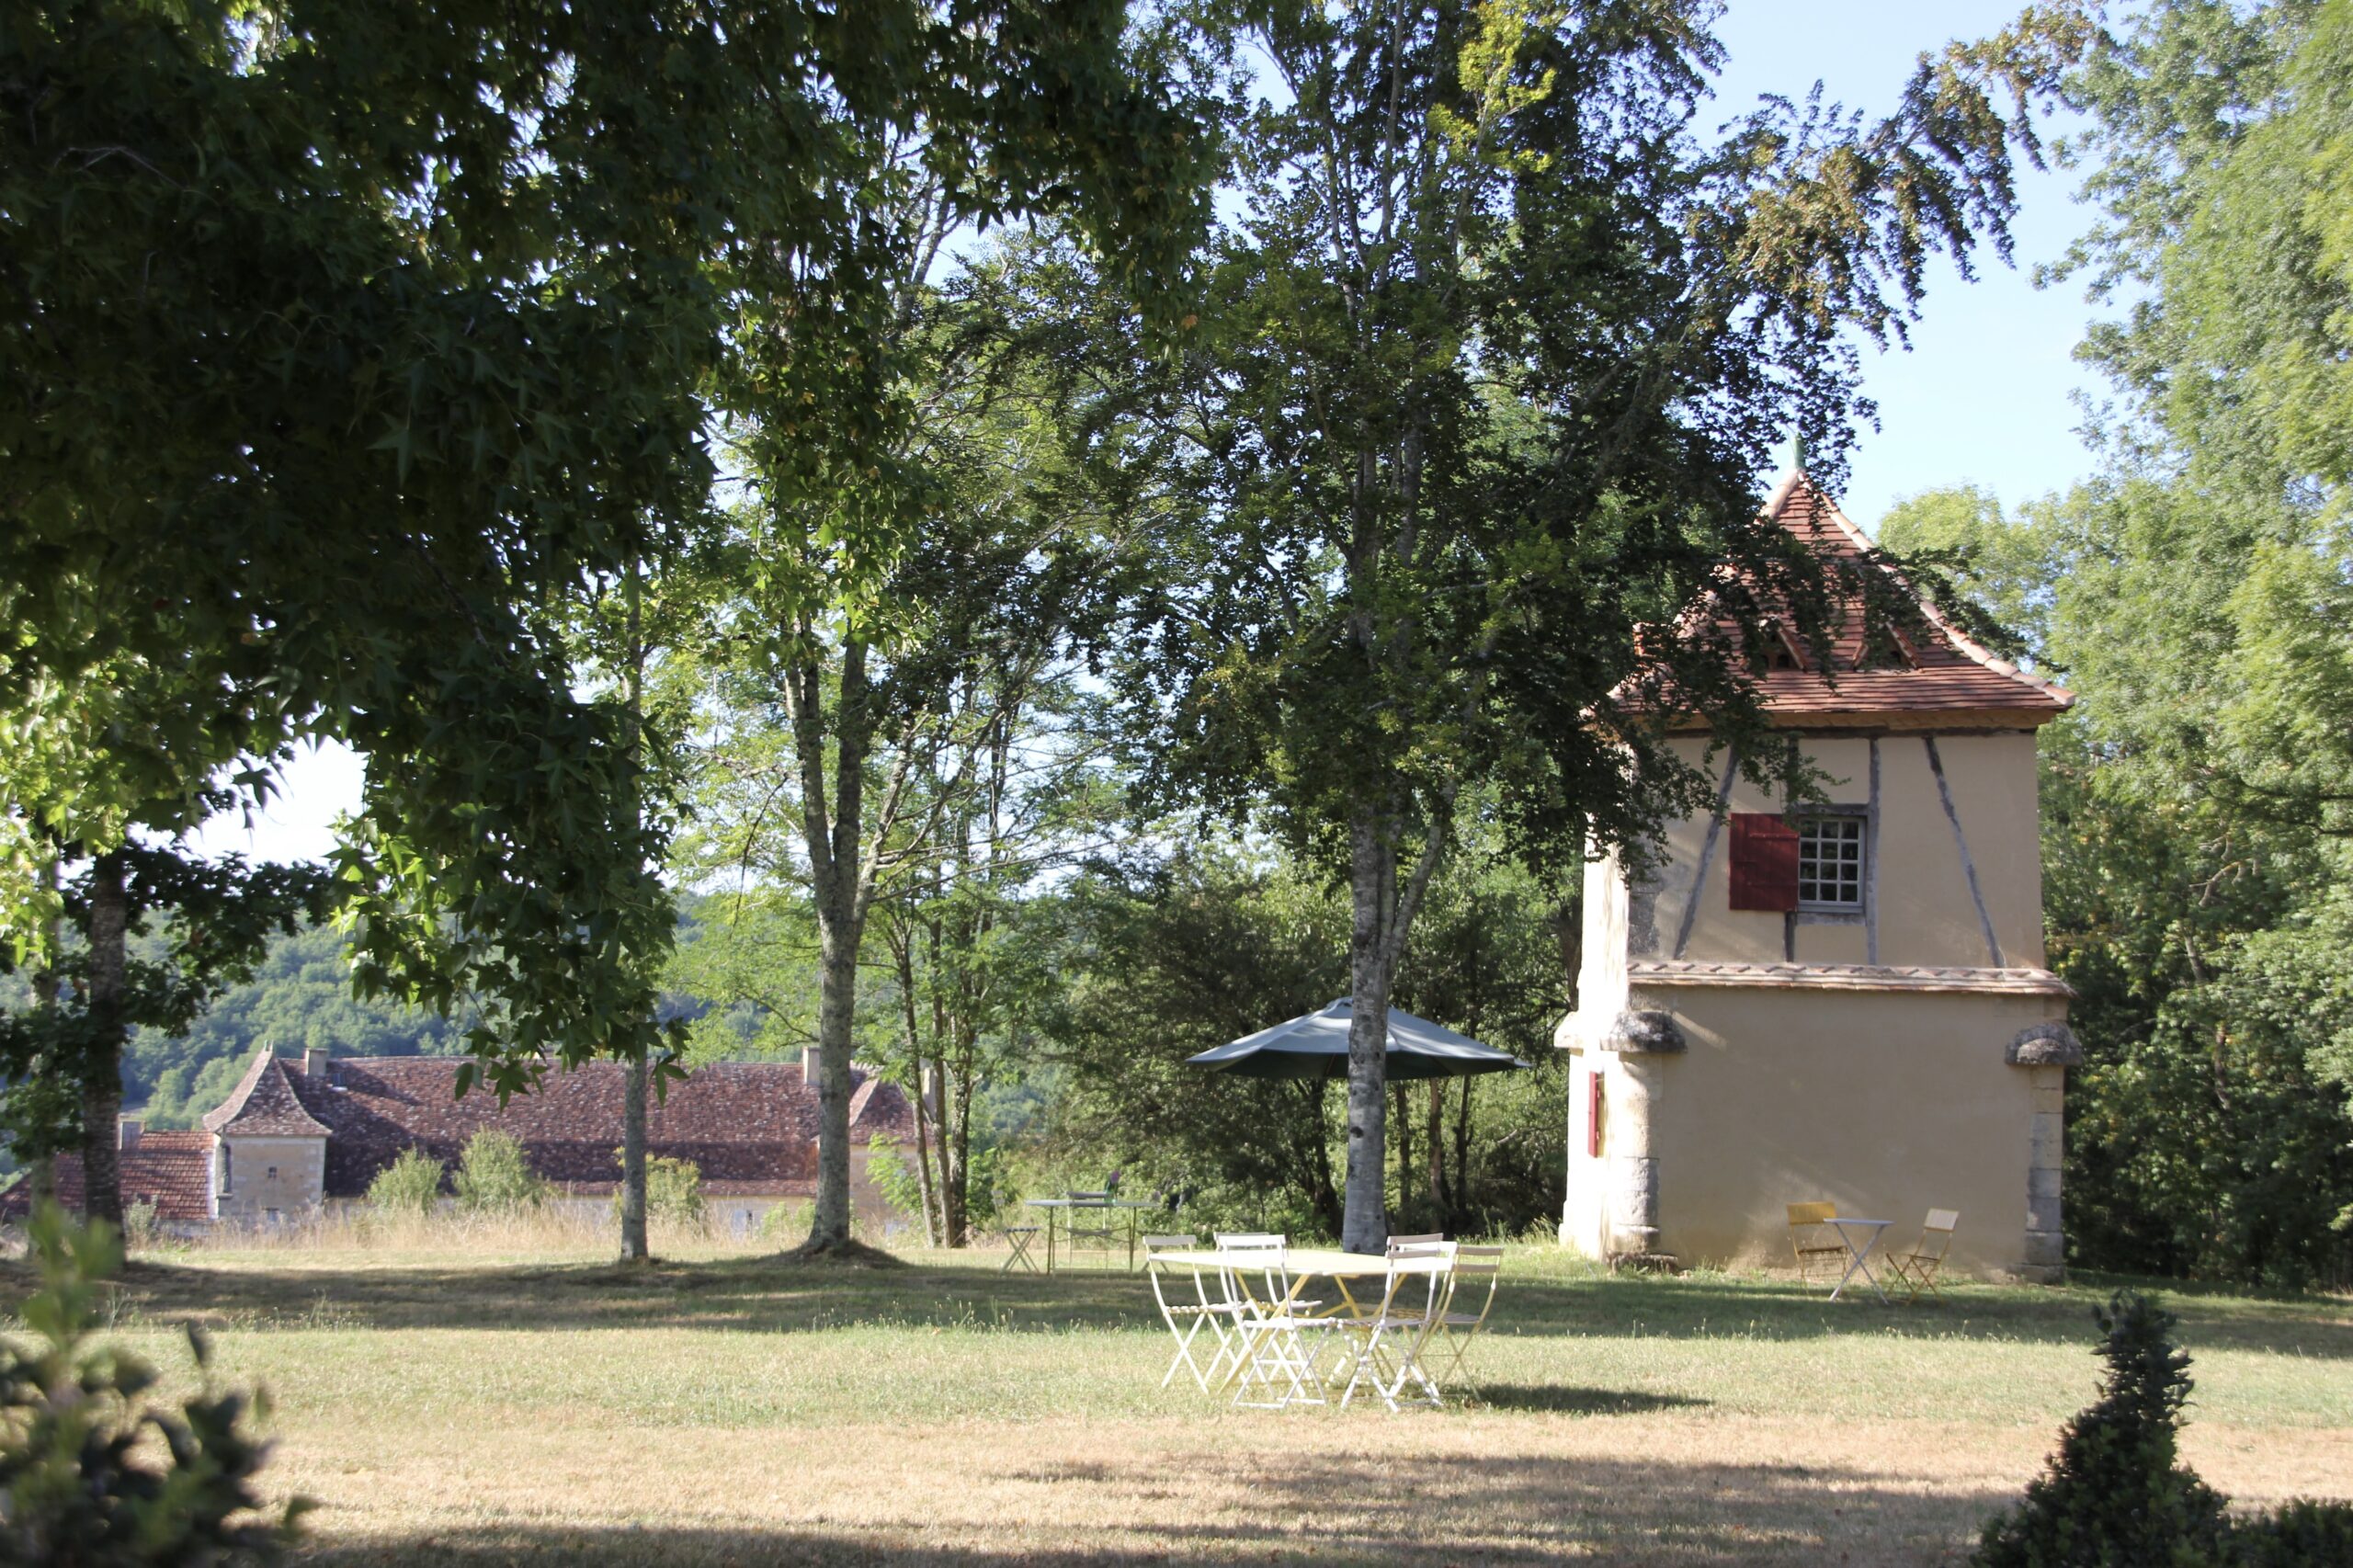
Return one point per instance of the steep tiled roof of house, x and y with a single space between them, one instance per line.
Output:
166 1169
1946 679
264 1104
750 1127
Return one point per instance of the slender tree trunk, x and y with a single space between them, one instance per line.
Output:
835 844
1364 1220
1319 1190
634 1247
829 1226
40 1176
1439 1202
1462 1150
102 1074
1402 1118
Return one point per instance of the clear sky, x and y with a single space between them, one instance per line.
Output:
1983 395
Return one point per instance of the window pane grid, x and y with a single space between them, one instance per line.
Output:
1830 862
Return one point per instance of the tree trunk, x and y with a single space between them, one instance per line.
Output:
634 1247
40 1174
1462 1150
1440 1203
1364 1219
102 1072
1402 1118
829 1226
839 878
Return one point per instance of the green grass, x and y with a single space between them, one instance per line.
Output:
488 1407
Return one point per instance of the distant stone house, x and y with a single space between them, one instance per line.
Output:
298 1135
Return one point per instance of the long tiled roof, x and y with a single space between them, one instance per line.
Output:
166 1169
1950 679
750 1125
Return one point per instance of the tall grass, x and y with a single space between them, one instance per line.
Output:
561 1230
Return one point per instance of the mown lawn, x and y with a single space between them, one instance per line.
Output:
452 1406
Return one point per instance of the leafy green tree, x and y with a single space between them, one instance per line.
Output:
82 1480
492 1177
62 1056
410 1187
1495 347
313 415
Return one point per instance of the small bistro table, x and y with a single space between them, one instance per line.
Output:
1068 1208
1859 1256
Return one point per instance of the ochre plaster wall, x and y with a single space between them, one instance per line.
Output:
1887 1104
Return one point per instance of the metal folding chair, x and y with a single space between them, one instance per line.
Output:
1019 1238
1187 1319
1278 1368
1390 1341
1456 1329
1813 1239
1097 1237
1917 1270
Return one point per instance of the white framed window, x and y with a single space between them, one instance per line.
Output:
1830 864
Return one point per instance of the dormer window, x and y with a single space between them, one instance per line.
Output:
1775 651
1883 649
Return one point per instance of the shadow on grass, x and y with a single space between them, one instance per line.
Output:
1378 1509
1563 1400
765 1295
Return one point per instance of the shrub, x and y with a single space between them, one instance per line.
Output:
784 1223
493 1179
672 1193
411 1185
2114 1494
78 1483
143 1227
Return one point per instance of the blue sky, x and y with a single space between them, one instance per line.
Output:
1984 395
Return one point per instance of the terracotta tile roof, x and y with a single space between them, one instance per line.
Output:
167 1169
1950 678
264 1104
750 1127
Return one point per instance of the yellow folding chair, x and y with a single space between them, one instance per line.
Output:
1473 1265
1917 1270
1813 1239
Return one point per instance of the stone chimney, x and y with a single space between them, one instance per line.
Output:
127 1131
314 1064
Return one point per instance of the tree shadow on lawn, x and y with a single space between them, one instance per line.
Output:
761 1295
1277 1504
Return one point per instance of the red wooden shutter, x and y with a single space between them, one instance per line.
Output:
1764 862
1593 1103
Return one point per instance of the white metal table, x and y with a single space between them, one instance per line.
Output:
1068 1208
1858 1257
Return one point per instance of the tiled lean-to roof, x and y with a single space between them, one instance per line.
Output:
750 1127
1948 679
166 1169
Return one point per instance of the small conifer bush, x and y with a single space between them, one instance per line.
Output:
2115 1495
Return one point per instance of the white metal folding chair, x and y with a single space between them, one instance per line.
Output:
1275 1365
1455 1326
1187 1319
1388 1353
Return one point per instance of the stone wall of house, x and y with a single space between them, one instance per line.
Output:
257 1181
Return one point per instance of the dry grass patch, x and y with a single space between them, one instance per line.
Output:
728 1408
